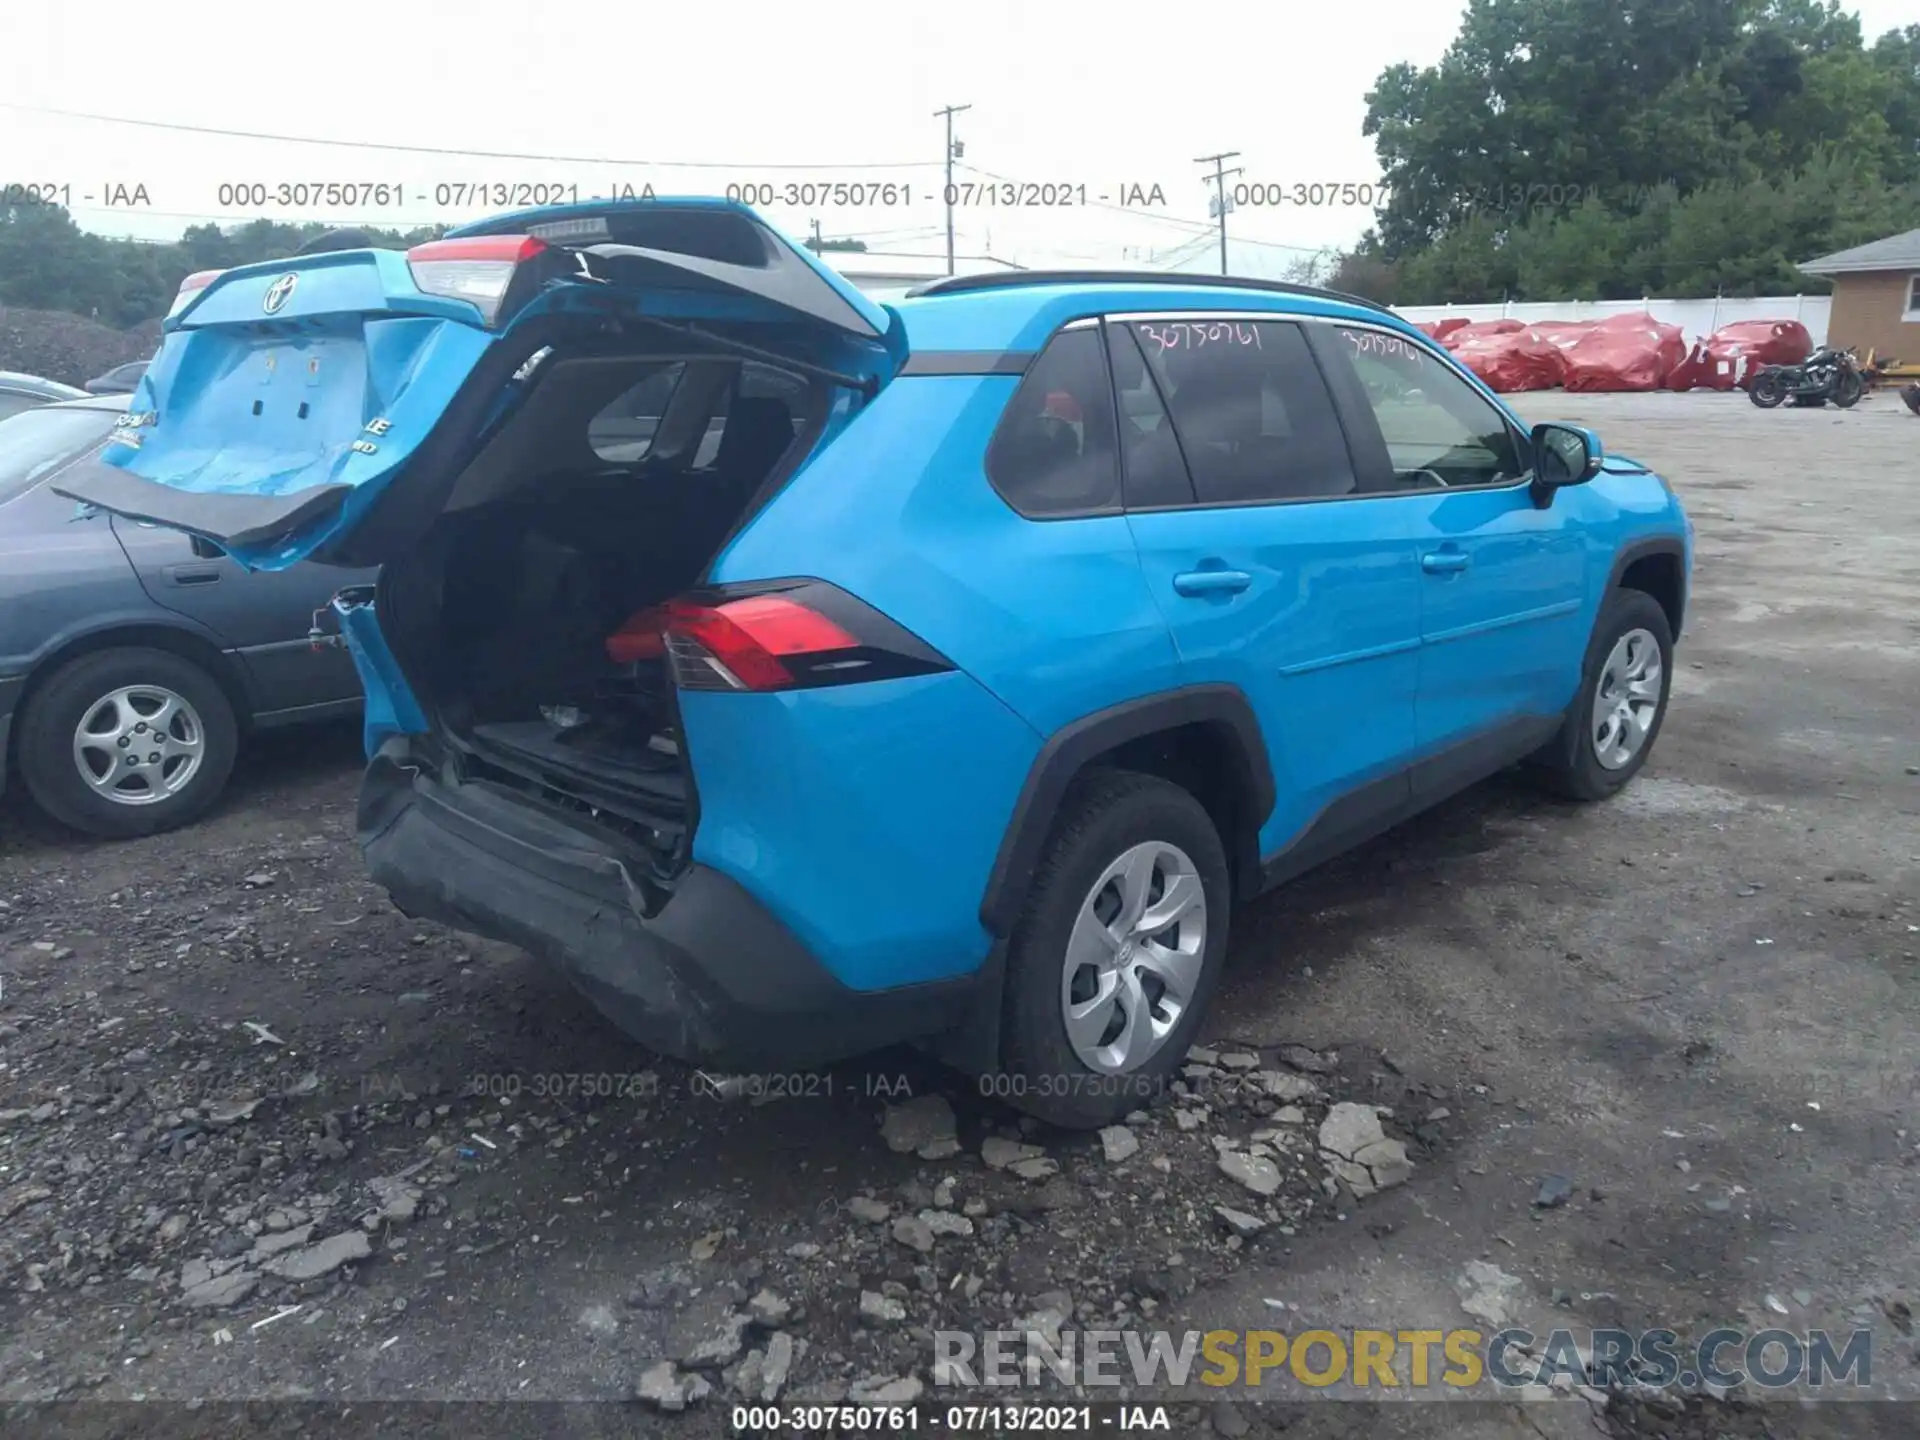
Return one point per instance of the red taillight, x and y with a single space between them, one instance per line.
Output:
772 635
742 644
477 269
192 286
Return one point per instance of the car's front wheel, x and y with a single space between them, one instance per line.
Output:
1614 720
1116 954
127 742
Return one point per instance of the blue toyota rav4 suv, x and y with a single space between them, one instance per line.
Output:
802 674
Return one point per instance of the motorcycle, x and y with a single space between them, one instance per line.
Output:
1827 374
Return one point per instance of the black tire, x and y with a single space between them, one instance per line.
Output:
1104 814
1570 765
1848 389
1767 391
56 708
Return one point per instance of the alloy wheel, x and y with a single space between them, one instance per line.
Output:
1626 699
1134 957
139 744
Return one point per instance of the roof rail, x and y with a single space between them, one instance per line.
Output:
960 284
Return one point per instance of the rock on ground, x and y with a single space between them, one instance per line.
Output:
769 1308
783 1353
914 1233
664 1387
322 1259
922 1123
1256 1172
1239 1221
1359 1151
1000 1154
1283 1086
1487 1292
220 1291
1118 1143
886 1390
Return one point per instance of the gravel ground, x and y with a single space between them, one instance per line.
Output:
261 1137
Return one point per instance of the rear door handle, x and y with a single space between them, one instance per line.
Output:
1212 582
1445 562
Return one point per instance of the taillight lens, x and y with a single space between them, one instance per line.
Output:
192 286
478 269
786 636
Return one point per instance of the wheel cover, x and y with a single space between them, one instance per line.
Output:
1626 699
1134 957
139 745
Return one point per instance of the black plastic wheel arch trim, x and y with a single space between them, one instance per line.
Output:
1070 749
1641 550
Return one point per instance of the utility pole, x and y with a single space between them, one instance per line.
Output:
815 242
1221 205
955 149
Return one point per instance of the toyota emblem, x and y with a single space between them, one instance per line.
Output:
277 294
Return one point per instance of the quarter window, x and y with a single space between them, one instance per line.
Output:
1155 472
1053 453
1253 415
1440 432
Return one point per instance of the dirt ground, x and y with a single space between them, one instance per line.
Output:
263 1138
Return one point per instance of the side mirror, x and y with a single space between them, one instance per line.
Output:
1563 455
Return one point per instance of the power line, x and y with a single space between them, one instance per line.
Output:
444 150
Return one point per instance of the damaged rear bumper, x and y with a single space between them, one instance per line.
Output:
703 973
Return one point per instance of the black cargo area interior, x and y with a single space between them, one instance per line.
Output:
609 491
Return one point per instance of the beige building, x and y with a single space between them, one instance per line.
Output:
1876 296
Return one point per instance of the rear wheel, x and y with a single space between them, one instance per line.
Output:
1767 391
1611 727
1117 952
127 742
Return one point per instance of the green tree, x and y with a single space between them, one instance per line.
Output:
47 262
1613 148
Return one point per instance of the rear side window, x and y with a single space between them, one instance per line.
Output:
1053 453
623 430
1254 417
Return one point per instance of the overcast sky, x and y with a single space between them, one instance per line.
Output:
1067 92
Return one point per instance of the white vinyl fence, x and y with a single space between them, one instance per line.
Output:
1697 318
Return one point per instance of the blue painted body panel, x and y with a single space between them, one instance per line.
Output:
866 817
391 707
1325 641
1054 617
